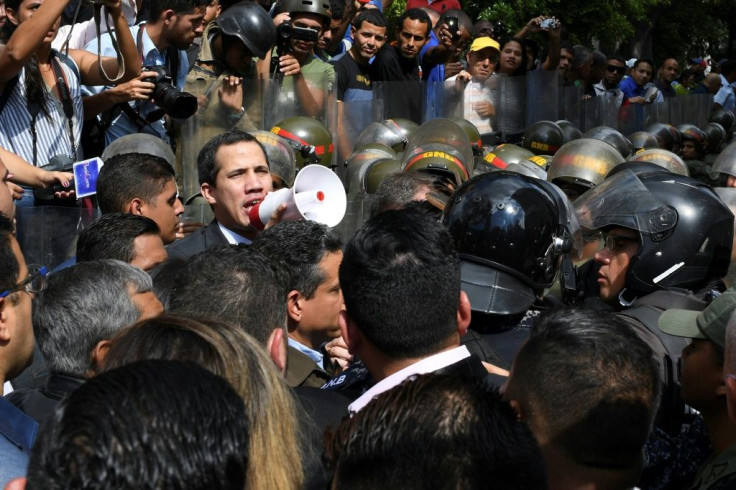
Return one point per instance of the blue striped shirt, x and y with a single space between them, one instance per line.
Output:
52 130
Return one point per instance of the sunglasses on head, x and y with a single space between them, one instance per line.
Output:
616 69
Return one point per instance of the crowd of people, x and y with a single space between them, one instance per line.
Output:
533 286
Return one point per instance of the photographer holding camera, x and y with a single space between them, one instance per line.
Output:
305 76
41 109
140 105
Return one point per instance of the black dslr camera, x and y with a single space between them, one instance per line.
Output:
174 102
285 32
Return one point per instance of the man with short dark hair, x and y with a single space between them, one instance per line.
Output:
192 423
141 184
241 286
667 74
390 323
638 88
313 254
403 92
608 86
125 237
171 27
75 317
17 286
436 431
588 387
234 176
354 86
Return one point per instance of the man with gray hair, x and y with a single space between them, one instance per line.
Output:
73 320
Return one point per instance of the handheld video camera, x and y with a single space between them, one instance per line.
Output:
174 102
285 32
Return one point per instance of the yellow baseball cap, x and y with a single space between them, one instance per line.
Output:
484 42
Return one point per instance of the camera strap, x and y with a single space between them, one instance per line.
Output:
66 101
113 39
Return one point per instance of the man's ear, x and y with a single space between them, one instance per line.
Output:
350 332
516 407
206 190
276 347
135 206
12 16
168 16
4 326
294 305
98 355
353 30
463 314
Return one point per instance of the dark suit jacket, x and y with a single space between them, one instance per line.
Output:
203 239
303 371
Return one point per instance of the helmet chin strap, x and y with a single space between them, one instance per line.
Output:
622 300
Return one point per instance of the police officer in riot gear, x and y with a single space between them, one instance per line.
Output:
513 234
668 241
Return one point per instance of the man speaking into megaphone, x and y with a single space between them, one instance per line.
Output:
235 178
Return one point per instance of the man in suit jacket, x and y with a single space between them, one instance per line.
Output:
234 176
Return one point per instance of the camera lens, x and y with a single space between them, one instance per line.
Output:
179 105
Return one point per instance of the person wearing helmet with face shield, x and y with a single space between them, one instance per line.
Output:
514 234
668 241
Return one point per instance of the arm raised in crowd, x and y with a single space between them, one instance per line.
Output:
28 37
88 62
553 45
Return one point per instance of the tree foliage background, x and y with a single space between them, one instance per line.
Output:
659 29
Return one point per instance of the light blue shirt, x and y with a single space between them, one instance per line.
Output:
725 97
317 357
122 124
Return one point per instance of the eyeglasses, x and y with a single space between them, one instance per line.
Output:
34 283
616 69
617 243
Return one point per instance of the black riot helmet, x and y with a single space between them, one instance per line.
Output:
543 138
641 140
609 135
511 232
685 230
569 130
664 136
250 23
715 135
693 133
724 118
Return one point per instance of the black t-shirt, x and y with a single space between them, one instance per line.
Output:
353 80
403 91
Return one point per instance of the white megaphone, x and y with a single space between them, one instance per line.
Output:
317 195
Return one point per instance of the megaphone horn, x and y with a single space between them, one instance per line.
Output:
317 195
